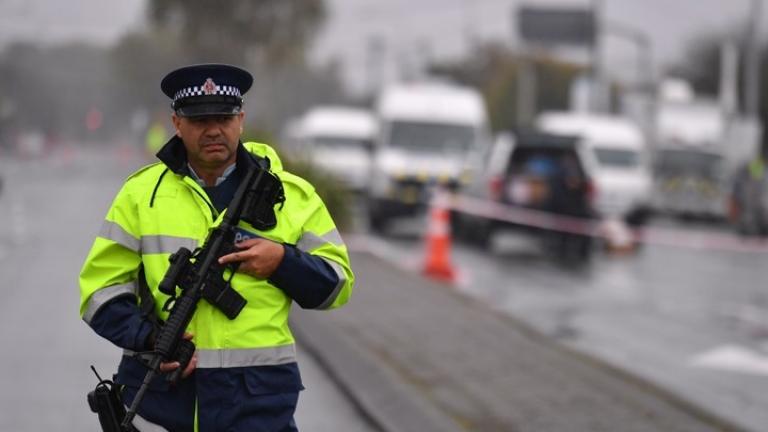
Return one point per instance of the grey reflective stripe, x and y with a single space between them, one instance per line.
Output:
102 296
225 358
112 231
144 425
159 244
310 241
151 244
342 280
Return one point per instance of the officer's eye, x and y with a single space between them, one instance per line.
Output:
198 120
223 119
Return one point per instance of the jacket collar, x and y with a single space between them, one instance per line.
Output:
174 156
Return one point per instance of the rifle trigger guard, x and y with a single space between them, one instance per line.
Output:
169 304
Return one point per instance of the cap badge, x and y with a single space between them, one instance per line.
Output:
209 87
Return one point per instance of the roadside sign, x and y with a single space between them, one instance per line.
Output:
561 26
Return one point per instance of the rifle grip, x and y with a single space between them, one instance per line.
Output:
183 355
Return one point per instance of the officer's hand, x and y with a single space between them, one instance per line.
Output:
170 366
258 257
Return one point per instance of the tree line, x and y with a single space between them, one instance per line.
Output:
52 89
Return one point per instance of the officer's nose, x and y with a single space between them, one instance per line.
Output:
212 128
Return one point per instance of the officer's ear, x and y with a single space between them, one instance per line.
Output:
176 121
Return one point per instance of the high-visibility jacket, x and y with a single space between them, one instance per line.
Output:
160 209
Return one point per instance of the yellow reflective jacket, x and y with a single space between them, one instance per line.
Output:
151 217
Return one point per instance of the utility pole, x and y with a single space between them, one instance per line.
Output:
752 61
374 64
526 88
597 92
729 66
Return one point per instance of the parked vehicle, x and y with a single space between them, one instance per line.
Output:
338 139
429 132
534 171
615 158
699 144
690 183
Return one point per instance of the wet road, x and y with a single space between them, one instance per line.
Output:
694 322
51 210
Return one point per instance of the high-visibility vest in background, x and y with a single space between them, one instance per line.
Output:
155 139
757 168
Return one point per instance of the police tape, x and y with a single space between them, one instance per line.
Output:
607 229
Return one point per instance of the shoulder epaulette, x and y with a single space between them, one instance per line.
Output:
143 170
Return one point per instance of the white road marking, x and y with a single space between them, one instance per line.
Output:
732 358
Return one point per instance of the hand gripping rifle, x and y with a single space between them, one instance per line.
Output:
199 275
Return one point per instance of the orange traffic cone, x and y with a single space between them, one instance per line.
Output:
437 264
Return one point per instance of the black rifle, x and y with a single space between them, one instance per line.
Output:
199 275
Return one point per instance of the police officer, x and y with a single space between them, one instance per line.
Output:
749 209
244 376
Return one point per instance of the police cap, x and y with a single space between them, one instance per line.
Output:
207 89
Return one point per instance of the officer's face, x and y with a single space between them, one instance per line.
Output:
211 141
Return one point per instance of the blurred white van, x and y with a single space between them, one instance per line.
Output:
429 132
615 157
338 139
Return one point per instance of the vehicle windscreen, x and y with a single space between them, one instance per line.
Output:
617 158
546 178
334 143
431 137
682 162
544 162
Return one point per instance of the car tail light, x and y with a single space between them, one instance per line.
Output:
495 187
591 191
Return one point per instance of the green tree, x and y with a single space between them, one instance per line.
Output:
494 71
701 63
52 88
269 38
240 32
138 62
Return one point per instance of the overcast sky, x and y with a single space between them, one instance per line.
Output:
441 28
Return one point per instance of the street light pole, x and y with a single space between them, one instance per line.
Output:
645 83
645 69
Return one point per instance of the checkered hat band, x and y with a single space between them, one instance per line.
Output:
198 91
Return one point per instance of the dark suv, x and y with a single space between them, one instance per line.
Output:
537 172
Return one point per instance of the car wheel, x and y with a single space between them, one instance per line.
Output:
481 234
378 223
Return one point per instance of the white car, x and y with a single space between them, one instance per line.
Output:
338 139
615 157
